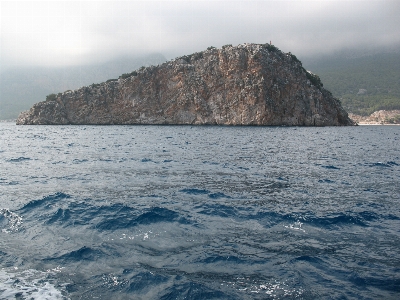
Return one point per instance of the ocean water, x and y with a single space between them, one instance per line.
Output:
181 212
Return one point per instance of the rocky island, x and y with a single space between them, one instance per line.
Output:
249 84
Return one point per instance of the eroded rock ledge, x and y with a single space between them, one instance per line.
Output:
249 84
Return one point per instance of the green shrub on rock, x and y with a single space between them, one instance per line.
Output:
314 79
51 97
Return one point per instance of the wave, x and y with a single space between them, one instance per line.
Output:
53 210
307 218
19 159
145 160
223 259
192 290
331 167
388 164
145 281
79 161
10 221
125 217
4 181
82 254
389 284
339 219
195 191
219 210
47 200
29 284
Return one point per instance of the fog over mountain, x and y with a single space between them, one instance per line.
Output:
59 33
21 87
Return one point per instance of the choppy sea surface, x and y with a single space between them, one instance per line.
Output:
181 212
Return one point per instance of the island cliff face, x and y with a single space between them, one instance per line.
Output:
249 84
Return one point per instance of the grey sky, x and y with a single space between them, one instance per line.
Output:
63 33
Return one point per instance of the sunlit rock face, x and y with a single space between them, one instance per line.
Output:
249 84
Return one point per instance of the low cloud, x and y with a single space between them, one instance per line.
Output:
76 33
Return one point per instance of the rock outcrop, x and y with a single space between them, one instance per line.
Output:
249 84
380 117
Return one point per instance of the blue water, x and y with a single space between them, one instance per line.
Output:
180 212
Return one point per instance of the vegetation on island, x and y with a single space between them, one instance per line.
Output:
393 120
51 97
127 75
363 84
314 79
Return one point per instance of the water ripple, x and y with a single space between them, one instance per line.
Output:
173 212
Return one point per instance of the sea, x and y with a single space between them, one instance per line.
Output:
199 212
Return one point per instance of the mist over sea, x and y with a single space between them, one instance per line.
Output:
199 212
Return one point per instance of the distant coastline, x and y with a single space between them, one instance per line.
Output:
381 117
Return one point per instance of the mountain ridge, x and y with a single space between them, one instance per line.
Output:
363 82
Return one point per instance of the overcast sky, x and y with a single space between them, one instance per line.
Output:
63 33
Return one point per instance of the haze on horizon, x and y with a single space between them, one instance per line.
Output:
63 33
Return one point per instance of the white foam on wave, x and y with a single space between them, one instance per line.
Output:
14 221
140 235
273 289
112 280
28 284
296 226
